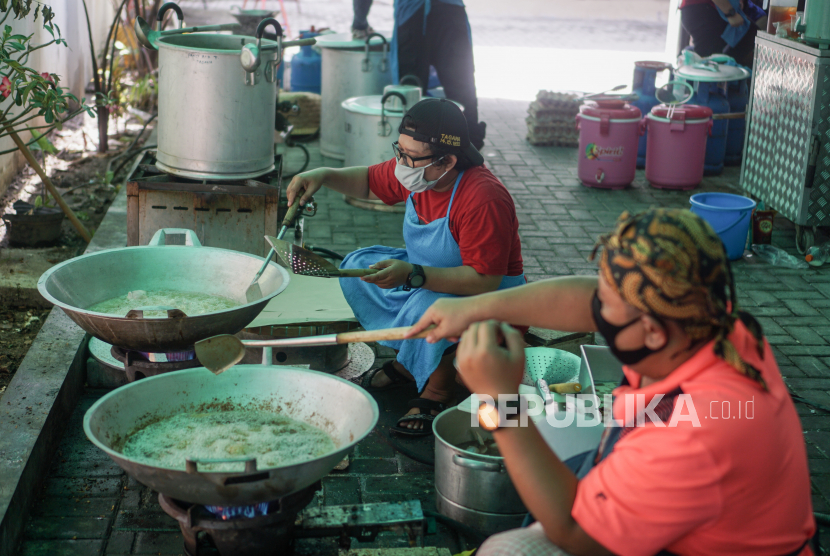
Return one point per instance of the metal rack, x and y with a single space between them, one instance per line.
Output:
786 161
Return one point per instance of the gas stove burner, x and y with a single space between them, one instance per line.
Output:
261 535
138 365
287 519
149 170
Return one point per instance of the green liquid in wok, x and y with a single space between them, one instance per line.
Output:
273 439
192 303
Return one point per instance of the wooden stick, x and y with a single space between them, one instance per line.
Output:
729 116
52 190
379 335
566 388
357 272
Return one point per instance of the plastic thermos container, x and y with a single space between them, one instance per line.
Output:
609 131
676 149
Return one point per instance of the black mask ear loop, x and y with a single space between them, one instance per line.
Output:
610 331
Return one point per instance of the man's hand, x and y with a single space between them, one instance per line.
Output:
394 274
485 366
450 316
735 20
310 182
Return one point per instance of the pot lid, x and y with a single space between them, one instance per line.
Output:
370 105
614 109
345 40
684 112
215 43
712 72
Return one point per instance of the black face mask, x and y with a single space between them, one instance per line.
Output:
610 331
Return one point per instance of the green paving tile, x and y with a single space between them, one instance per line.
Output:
62 548
70 507
44 528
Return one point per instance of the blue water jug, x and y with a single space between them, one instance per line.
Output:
713 95
737 93
306 67
645 73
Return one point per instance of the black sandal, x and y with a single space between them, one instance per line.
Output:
391 373
424 416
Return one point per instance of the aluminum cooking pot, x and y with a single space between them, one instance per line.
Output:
216 118
350 68
474 489
85 281
345 411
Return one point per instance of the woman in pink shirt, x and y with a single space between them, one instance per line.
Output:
707 456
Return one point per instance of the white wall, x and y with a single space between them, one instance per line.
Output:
72 63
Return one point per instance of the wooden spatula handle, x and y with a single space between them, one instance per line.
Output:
379 335
357 272
291 212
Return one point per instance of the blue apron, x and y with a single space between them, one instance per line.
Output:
427 245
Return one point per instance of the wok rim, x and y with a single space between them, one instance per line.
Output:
41 283
118 455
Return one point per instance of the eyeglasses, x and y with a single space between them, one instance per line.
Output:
405 159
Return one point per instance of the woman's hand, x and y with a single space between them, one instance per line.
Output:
485 366
310 182
451 318
735 20
394 274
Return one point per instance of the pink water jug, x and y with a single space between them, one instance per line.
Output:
608 134
676 148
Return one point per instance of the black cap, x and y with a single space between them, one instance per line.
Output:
440 123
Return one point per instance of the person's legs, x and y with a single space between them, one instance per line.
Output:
705 26
412 51
528 541
451 53
361 13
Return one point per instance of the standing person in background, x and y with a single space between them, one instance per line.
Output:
360 24
437 33
719 26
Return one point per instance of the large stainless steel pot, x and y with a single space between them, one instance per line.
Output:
84 281
371 124
350 68
472 488
344 411
216 119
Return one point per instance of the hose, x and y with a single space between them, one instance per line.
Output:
129 158
291 143
330 254
130 148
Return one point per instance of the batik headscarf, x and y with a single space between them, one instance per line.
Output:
669 263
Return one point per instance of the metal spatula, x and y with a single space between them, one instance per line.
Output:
302 261
254 292
222 352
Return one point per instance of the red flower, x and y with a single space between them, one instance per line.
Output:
6 87
47 77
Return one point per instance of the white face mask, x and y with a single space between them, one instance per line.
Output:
413 178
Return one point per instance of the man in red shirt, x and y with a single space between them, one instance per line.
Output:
461 236
706 456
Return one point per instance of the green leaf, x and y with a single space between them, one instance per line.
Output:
47 27
82 215
38 201
8 30
17 46
37 11
49 117
108 177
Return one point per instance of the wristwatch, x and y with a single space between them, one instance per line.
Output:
416 278
730 13
491 419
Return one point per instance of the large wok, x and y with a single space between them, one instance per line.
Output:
345 411
79 283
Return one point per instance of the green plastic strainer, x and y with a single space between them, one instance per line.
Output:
553 365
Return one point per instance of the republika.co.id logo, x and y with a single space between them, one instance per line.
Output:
582 410
595 152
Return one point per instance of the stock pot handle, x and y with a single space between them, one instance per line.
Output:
383 124
163 10
260 30
476 465
367 64
160 237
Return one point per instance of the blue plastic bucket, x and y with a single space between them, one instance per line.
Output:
729 215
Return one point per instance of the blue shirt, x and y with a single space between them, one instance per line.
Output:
405 9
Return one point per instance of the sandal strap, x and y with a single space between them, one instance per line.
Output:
429 405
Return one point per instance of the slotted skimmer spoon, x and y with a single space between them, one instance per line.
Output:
254 292
302 261
551 370
220 353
